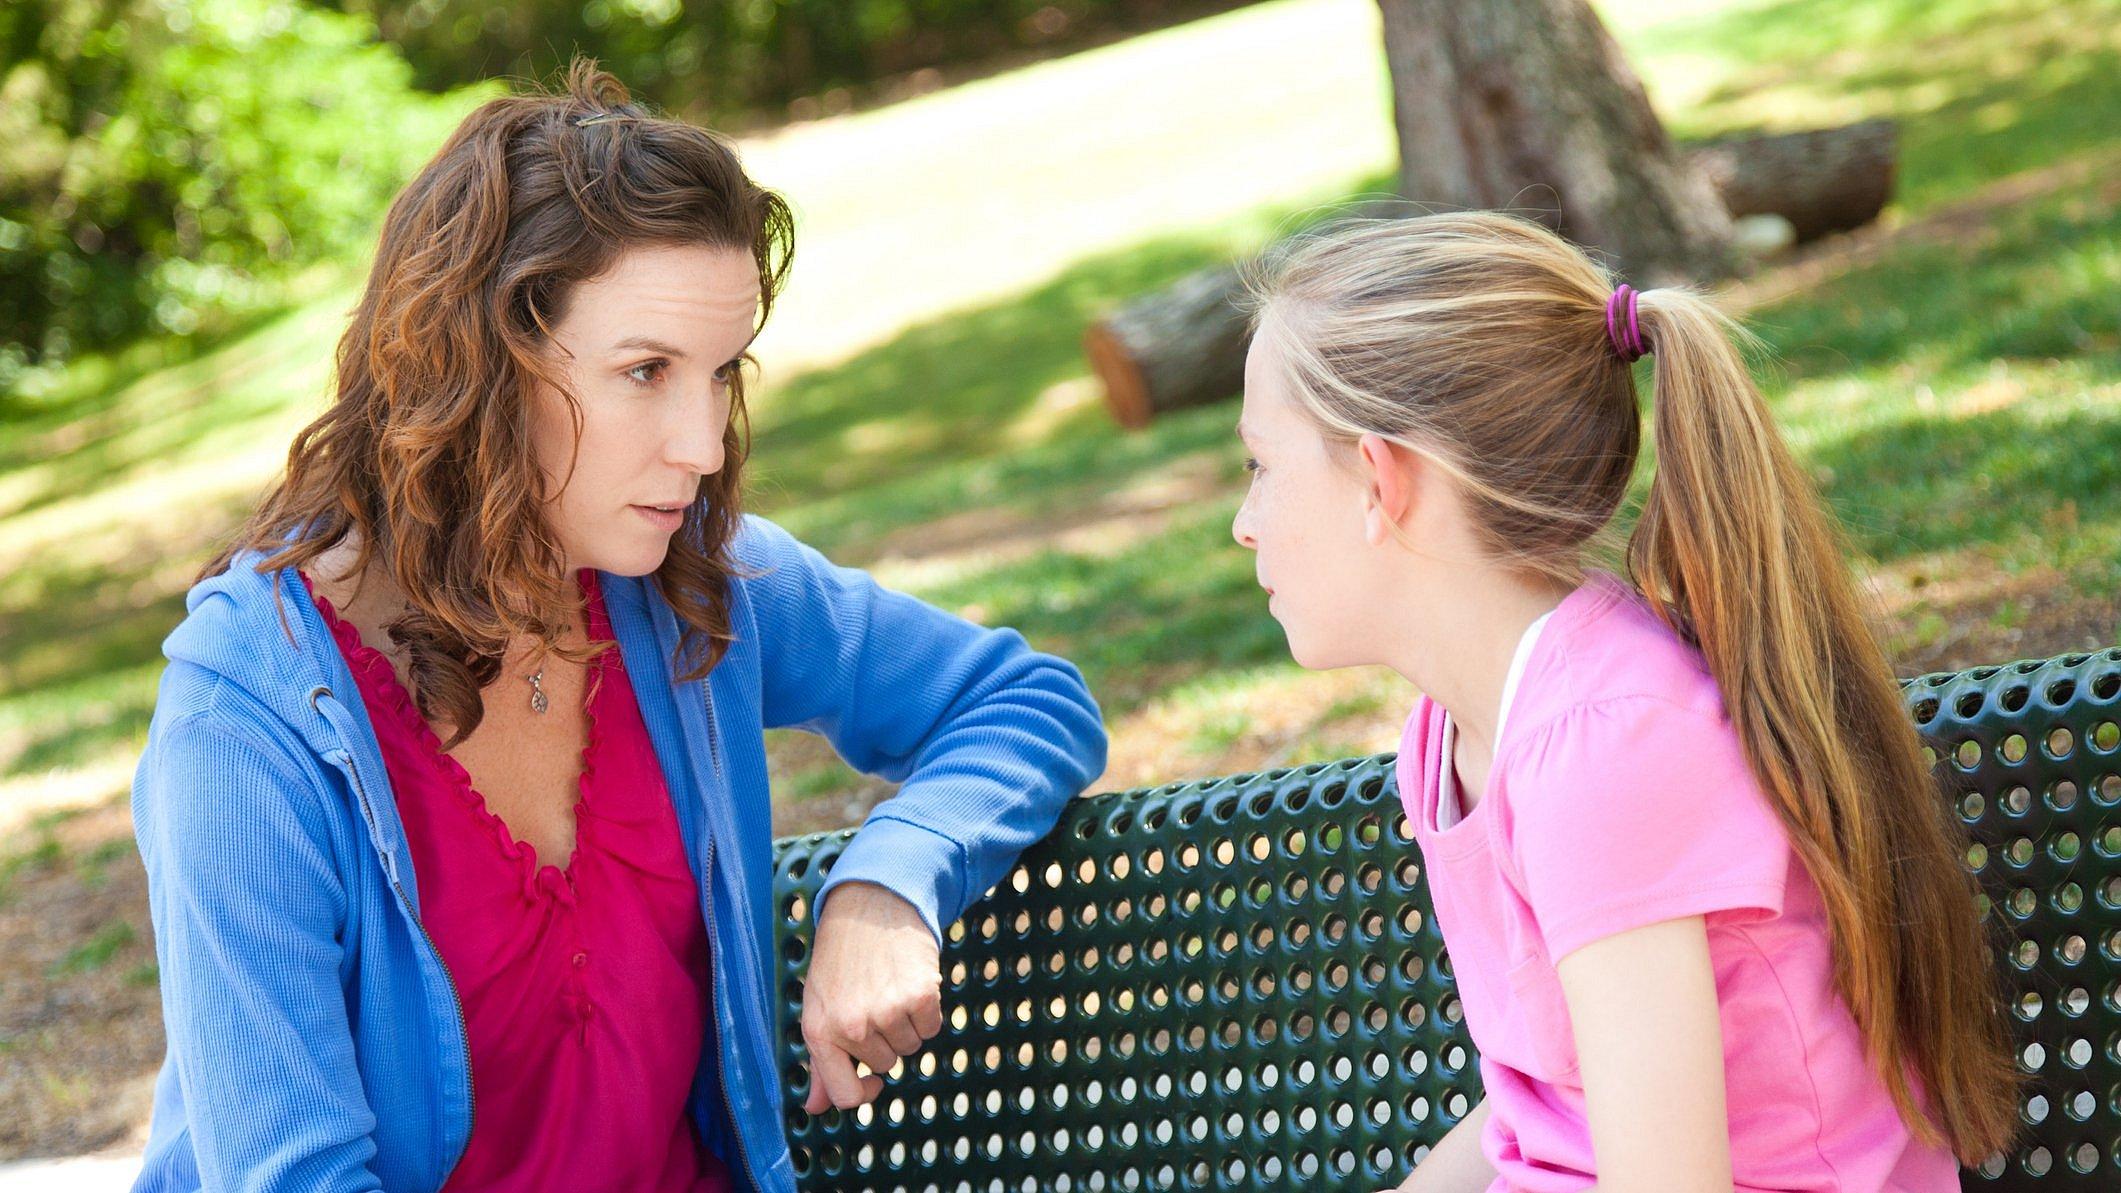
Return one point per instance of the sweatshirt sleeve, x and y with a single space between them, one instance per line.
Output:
248 906
1636 810
989 738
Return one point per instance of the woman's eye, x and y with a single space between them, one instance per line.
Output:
1252 465
649 373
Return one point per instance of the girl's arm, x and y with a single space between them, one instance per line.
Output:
1643 1007
1455 1164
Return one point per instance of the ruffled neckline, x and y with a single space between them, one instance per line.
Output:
377 677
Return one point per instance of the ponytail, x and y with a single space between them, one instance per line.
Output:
1734 550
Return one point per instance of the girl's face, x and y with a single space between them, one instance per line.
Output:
1305 519
649 348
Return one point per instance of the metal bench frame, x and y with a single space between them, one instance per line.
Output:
1238 983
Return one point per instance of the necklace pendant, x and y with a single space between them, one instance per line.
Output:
538 703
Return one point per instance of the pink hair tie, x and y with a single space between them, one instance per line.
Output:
1627 341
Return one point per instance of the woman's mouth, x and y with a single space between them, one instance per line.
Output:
665 518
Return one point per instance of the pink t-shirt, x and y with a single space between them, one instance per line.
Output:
1620 797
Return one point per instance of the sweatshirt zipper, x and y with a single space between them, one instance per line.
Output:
463 1030
714 1018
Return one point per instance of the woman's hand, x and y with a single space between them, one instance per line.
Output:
874 993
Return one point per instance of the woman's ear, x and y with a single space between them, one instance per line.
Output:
1387 470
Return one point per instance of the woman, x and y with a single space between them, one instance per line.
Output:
455 807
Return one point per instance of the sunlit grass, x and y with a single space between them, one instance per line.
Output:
926 410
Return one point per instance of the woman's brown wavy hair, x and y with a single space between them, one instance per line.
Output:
425 453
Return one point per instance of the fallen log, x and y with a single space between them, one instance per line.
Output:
1820 180
1184 345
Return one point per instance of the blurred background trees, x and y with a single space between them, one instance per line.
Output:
163 165
166 166
721 59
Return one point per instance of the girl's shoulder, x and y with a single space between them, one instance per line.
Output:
1606 648
1618 706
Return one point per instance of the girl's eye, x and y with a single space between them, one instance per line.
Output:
1252 465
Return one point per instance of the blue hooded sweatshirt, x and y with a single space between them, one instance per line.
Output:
315 1038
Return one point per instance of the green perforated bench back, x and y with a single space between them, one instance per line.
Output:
1237 983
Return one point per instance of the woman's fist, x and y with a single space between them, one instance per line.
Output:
874 993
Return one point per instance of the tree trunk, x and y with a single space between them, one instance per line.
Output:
1529 106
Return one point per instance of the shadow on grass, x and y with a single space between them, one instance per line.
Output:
950 388
2017 478
80 642
119 413
1171 605
983 407
2038 283
1982 88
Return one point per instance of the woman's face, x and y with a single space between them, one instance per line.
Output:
1303 518
649 348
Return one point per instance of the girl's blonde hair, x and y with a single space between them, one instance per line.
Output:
1480 340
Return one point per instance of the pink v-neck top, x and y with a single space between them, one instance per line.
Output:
585 986
1620 797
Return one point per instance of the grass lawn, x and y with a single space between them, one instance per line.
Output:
1952 375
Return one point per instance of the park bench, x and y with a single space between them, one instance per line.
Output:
1238 983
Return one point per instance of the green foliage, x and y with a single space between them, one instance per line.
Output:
718 58
163 164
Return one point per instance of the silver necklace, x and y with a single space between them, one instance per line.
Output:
538 703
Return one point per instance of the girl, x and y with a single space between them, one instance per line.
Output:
454 804
1706 912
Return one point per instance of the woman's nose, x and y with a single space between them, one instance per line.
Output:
696 441
699 450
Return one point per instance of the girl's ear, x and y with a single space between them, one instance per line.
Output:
1388 473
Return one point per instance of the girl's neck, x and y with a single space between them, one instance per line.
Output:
1460 642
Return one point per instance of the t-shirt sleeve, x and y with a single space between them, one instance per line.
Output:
1634 811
